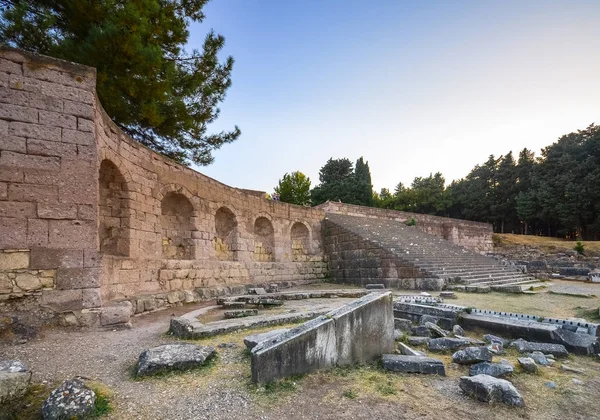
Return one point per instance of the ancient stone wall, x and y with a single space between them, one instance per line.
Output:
472 235
88 216
354 260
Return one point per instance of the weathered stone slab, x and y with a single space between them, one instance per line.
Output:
420 331
495 339
417 341
240 313
447 317
557 350
257 291
497 370
428 319
364 329
413 364
489 389
358 332
73 399
14 380
527 364
179 356
435 330
234 305
471 355
305 348
408 351
448 295
447 343
531 330
575 342
402 324
264 302
375 286
252 340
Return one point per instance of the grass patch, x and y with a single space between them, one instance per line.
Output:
589 314
350 394
102 407
543 243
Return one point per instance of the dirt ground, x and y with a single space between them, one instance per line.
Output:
222 390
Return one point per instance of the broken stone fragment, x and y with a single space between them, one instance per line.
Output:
447 343
179 356
486 388
14 380
413 364
435 330
458 330
558 350
472 355
497 370
73 399
252 340
528 364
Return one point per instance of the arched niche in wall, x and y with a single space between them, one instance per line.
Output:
226 232
177 226
113 213
264 239
300 240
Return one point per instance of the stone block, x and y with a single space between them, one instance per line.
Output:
72 234
12 112
14 260
91 298
557 350
57 119
240 313
48 259
17 209
497 370
170 357
305 348
402 324
78 137
118 314
57 211
413 364
472 355
33 193
34 131
447 343
574 342
13 233
13 143
78 109
51 148
28 282
37 233
77 278
252 340
489 389
62 300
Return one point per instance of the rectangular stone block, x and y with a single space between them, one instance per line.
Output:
81 80
35 131
33 193
10 67
51 148
92 258
79 110
30 99
86 212
62 300
91 298
49 259
14 260
77 278
413 364
78 183
364 329
57 119
57 211
19 160
13 233
72 234
11 112
78 137
85 125
37 233
303 349
13 143
17 209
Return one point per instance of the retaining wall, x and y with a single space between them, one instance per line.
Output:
358 332
88 216
476 236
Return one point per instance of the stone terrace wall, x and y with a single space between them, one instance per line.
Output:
472 235
89 216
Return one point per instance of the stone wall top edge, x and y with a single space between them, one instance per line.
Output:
375 211
10 53
243 193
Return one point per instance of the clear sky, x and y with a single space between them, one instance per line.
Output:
413 86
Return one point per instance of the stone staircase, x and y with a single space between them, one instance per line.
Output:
435 257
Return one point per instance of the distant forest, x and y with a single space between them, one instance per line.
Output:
555 194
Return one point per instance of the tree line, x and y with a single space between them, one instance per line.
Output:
555 194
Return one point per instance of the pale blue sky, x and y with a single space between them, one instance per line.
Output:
413 86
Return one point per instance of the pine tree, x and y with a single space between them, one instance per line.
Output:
161 95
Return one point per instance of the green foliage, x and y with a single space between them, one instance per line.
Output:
350 394
294 188
411 222
102 407
580 248
161 95
340 182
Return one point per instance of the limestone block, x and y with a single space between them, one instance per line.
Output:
14 260
118 314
